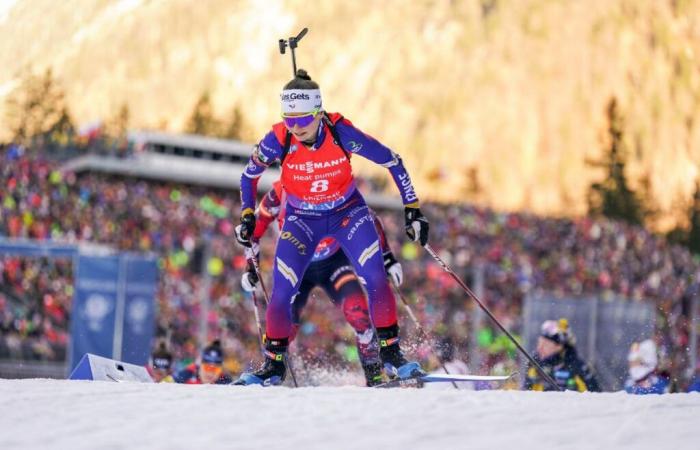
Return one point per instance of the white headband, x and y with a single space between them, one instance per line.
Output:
300 100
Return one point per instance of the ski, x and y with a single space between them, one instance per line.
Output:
450 377
419 381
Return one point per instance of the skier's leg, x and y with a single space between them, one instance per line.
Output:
357 235
344 290
299 302
292 256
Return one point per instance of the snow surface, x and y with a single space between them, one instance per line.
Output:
88 415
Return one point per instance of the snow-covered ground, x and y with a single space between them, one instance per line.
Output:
89 415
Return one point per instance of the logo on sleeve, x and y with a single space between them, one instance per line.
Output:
259 157
407 188
354 146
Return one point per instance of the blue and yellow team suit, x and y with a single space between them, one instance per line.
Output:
567 369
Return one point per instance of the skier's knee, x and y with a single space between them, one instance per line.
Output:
279 309
356 312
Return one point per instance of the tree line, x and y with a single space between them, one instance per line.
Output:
37 115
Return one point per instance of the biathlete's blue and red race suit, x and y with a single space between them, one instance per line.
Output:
322 200
331 270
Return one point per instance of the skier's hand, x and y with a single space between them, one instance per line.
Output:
393 269
416 225
249 280
244 231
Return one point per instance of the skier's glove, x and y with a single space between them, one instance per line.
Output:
393 269
416 225
244 231
249 280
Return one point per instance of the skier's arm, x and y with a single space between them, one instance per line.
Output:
355 141
266 213
533 381
264 154
530 379
585 378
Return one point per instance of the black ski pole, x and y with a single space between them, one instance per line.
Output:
292 42
254 261
421 331
257 319
469 292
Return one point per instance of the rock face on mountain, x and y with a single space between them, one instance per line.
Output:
494 101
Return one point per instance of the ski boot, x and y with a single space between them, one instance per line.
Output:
273 370
373 374
368 350
395 364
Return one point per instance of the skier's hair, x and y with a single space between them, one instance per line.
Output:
301 80
215 344
163 356
212 353
162 349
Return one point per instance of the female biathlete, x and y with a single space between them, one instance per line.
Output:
314 149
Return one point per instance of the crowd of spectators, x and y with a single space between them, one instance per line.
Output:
35 296
516 254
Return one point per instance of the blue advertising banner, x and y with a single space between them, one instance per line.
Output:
30 247
113 312
141 277
94 307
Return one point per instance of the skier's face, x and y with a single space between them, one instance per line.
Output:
209 373
547 347
159 374
306 133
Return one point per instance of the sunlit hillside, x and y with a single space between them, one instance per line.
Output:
495 101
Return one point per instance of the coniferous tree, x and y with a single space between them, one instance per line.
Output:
202 121
37 111
613 197
63 131
234 127
694 231
117 126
